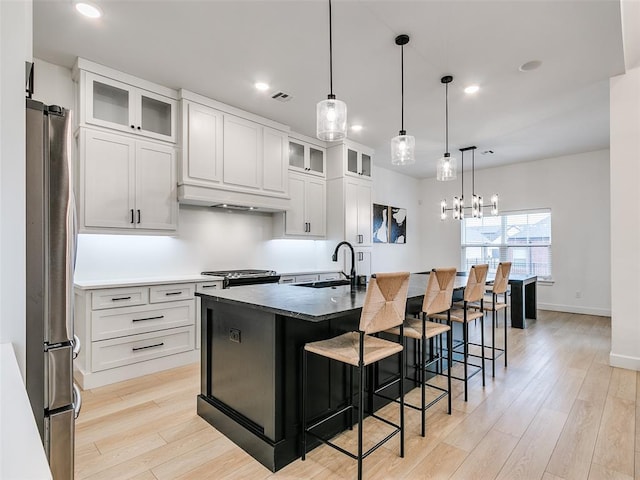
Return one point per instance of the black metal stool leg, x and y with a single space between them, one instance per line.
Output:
493 341
304 403
465 340
449 358
423 377
360 418
482 346
505 330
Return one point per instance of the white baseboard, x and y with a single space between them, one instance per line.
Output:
88 380
600 312
624 361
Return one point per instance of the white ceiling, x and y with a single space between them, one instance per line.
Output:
220 48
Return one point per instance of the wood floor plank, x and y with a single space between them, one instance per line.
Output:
599 472
549 476
531 455
616 437
486 460
572 455
623 384
441 462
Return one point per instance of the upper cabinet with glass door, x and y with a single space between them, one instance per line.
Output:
307 156
122 102
350 159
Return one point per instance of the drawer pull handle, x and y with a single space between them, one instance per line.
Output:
115 299
148 318
135 349
173 293
209 286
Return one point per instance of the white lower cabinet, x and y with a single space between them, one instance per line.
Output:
126 332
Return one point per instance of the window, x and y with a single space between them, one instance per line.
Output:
522 238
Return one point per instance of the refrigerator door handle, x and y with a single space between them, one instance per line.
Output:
77 400
76 346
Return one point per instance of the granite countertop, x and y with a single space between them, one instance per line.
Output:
311 304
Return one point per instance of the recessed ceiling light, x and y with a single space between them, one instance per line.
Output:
356 128
88 10
263 87
471 89
528 66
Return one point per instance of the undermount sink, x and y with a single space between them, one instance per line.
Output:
324 284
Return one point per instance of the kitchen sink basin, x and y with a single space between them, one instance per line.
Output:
324 284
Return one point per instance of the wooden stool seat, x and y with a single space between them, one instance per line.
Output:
346 348
457 315
413 328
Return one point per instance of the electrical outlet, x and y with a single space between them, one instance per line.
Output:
234 335
578 294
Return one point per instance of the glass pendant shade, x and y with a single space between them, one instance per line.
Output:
403 149
331 120
447 168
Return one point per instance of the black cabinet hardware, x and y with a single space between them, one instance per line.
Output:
139 216
172 293
135 349
210 286
148 318
132 216
115 299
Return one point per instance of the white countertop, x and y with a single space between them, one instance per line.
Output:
22 455
126 282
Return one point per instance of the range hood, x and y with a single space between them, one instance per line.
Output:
231 200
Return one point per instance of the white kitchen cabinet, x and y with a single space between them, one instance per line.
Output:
363 261
306 216
349 159
230 156
111 103
306 157
134 330
125 183
202 152
358 212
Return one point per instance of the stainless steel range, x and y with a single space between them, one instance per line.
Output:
234 278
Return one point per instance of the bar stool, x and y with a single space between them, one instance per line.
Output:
437 299
499 287
473 292
384 307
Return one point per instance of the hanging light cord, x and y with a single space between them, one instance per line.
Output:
402 86
330 55
462 172
446 116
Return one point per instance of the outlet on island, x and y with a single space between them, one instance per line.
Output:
234 335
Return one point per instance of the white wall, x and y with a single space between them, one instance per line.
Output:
397 190
625 221
575 188
15 49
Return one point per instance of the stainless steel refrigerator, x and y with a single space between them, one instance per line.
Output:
50 260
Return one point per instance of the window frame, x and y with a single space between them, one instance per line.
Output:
505 247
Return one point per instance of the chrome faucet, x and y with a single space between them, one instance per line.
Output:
352 277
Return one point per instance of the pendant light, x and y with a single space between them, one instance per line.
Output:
403 145
447 164
331 114
477 205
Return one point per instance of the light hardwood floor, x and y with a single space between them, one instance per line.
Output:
559 411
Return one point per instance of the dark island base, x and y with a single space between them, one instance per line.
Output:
273 455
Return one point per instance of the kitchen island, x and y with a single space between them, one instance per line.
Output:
252 338
251 359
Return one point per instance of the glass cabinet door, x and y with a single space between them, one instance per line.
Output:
296 155
109 103
155 115
316 160
365 161
352 161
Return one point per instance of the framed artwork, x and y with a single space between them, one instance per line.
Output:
380 223
389 224
397 225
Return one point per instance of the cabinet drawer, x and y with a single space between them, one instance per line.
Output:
119 297
119 322
138 348
169 293
306 278
207 287
330 276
